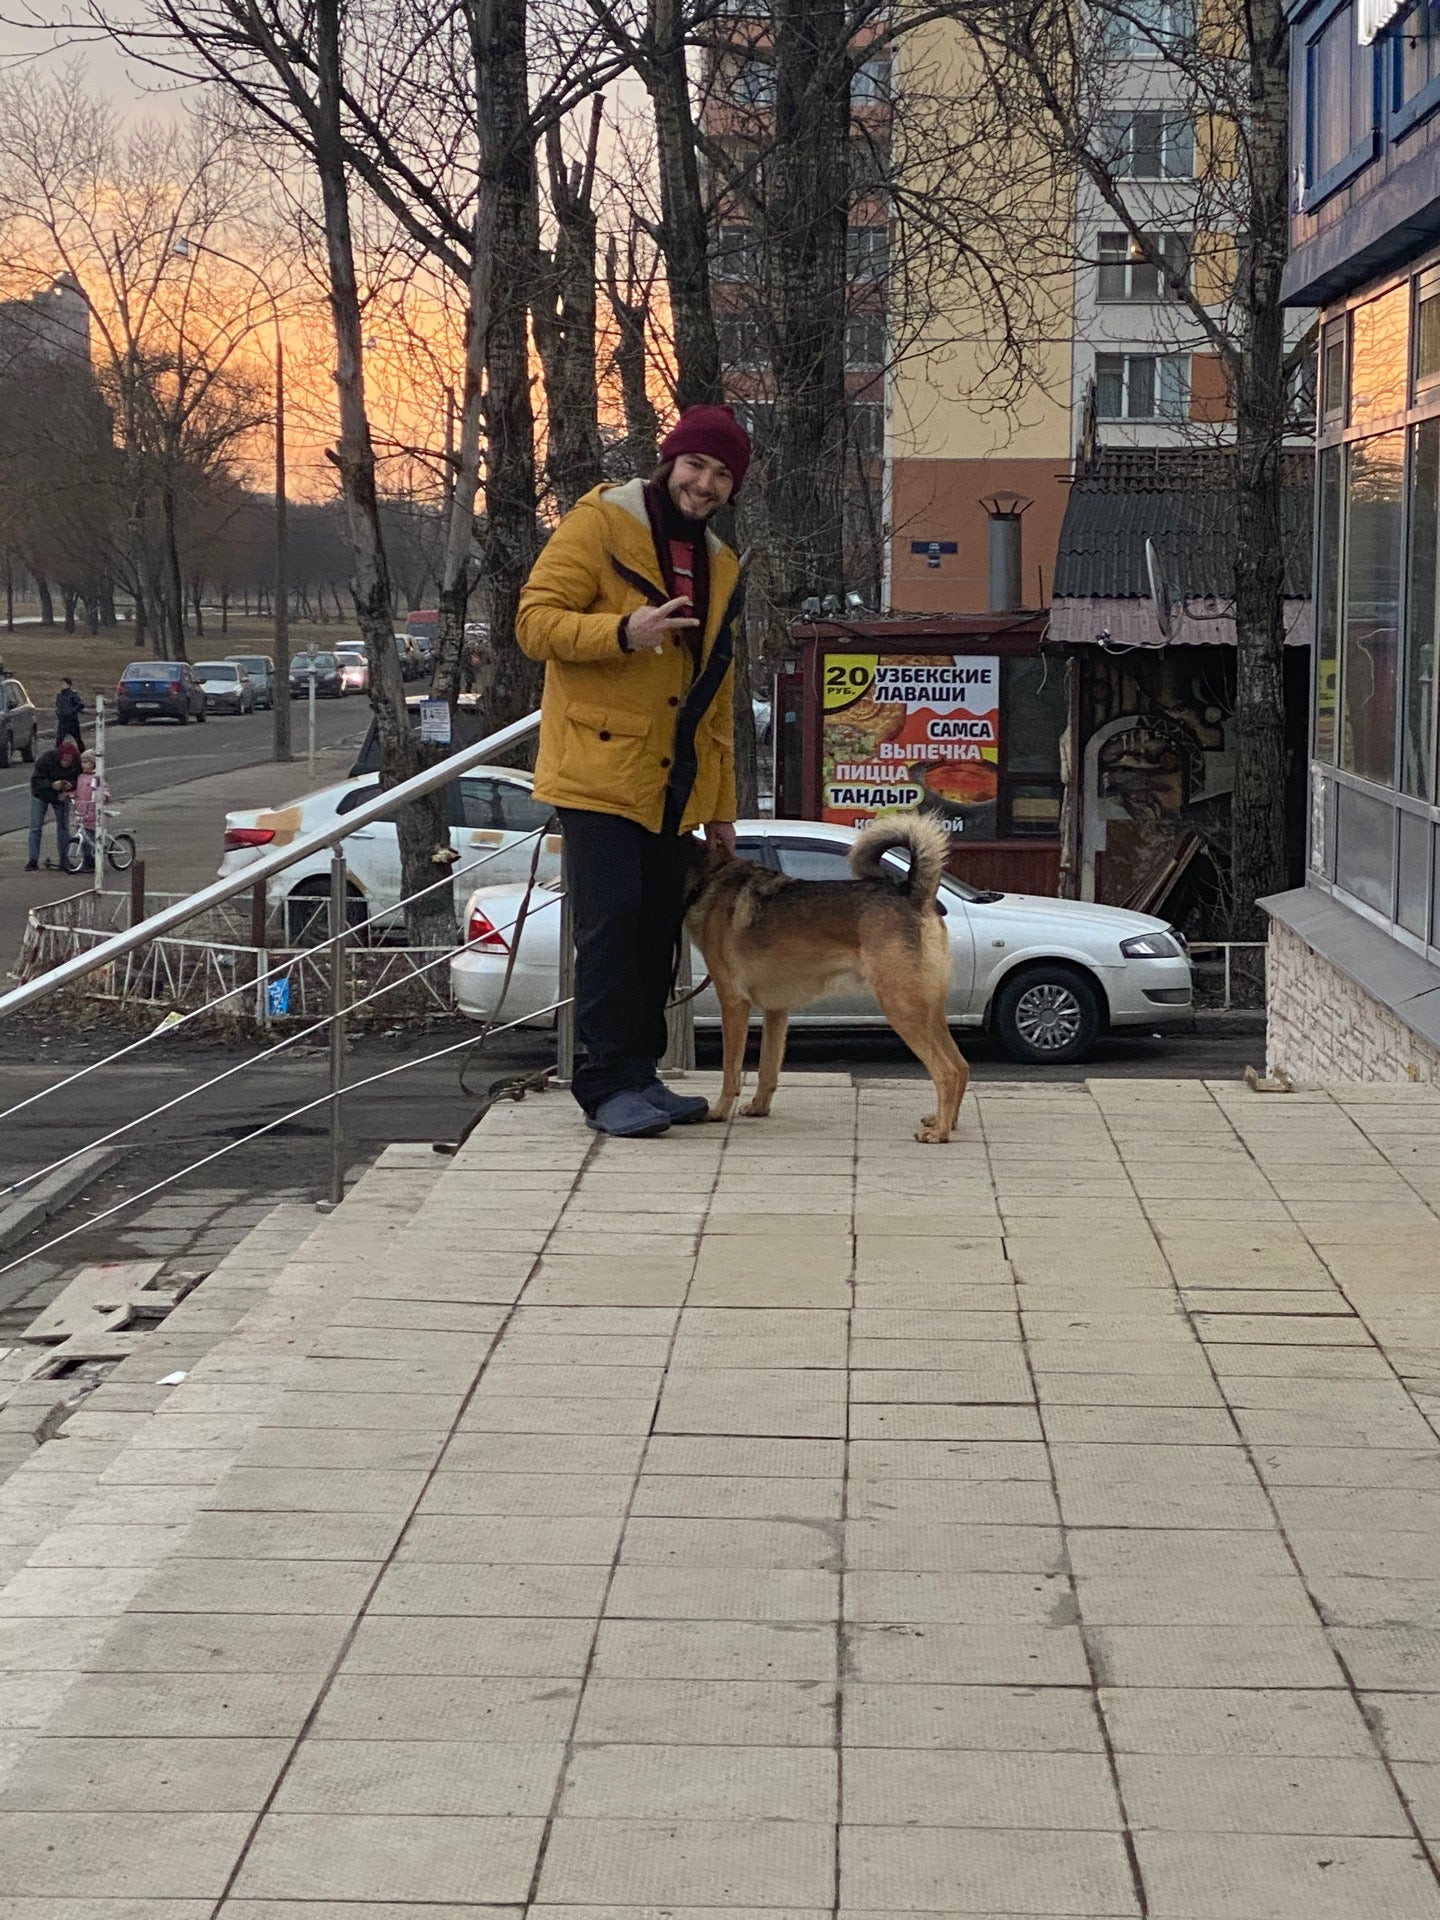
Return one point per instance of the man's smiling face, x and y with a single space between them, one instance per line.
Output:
699 484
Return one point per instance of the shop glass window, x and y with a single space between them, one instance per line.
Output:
1339 101
1332 374
1418 707
1427 333
1412 877
1035 715
1414 48
1327 604
1370 643
1379 357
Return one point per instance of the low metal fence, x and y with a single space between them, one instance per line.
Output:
1229 975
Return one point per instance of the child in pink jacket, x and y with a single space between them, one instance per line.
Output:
87 802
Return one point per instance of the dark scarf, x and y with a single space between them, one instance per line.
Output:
667 523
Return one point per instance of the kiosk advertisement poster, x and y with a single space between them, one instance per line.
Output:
919 731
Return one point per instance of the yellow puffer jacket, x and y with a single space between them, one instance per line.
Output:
607 719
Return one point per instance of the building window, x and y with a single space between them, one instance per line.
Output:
1332 374
1370 646
1150 146
1340 131
1327 602
1142 386
869 168
864 341
1418 720
867 254
1414 49
751 82
1427 333
1379 357
867 429
1148 29
742 343
758 419
737 255
1126 273
870 83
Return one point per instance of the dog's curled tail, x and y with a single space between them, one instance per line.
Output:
927 841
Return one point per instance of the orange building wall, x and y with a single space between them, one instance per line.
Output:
940 500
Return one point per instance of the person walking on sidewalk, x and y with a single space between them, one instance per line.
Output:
632 606
68 709
51 784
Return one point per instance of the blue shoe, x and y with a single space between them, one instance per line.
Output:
628 1115
683 1108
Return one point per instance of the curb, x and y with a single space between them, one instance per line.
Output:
20 1217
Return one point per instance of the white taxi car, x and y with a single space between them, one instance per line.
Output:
495 822
1046 976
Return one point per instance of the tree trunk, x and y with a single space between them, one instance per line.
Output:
47 605
421 826
511 536
683 225
172 584
197 601
564 314
68 599
642 424
1258 865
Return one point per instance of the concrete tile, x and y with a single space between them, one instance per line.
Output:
119 1775
258 1586
713 1497
1020 1656
1196 1656
905 1546
735 1455
900 1464
688 1593
1238 1722
967 1598
554 1495
295 1490
705 1650
392 1777
935 1788
638 1863
1206 1876
971 1718
925 1869
1407 1725
731 1543
1193 1600
181 1706
286 1536
726 1713
1160 1552
431 1589
711 1782
216 1643
968 1422
554 1416
1186 1793
510 1539
390 1857
147 1856
410 1707
582 1453
516 1647
1398 1657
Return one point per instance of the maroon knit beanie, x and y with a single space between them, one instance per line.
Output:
714 431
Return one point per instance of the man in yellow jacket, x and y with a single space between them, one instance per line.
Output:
632 606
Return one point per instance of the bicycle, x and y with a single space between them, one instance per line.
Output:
118 849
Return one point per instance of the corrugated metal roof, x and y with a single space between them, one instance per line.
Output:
1180 500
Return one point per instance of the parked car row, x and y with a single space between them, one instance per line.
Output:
176 690
19 722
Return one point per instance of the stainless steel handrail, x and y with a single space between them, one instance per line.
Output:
384 804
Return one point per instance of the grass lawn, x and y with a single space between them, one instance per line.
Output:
41 656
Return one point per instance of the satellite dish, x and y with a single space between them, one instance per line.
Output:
1162 601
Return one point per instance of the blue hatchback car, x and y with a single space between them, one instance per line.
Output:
159 690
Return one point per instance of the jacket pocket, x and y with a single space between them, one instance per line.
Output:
606 754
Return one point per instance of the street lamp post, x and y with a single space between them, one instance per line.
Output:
280 702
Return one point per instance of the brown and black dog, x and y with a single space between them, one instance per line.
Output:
777 944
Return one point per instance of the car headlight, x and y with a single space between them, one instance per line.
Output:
1152 946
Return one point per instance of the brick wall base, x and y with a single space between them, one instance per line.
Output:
1321 1027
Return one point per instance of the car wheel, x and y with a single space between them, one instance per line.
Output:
307 912
27 752
202 716
183 716
4 749
1047 1016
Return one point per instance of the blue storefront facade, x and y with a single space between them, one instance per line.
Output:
1355 977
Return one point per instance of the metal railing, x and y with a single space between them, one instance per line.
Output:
1253 976
254 878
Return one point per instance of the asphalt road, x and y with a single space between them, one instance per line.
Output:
148 758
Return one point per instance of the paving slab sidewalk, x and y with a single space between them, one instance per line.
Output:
782 1519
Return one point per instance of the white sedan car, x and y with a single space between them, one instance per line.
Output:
495 821
1046 976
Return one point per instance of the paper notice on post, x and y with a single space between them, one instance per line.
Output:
435 722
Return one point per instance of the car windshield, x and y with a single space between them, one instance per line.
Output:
217 670
147 670
350 653
252 663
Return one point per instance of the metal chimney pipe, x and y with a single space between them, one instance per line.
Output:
1004 510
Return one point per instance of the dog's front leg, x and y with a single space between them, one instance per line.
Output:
734 1027
772 1056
